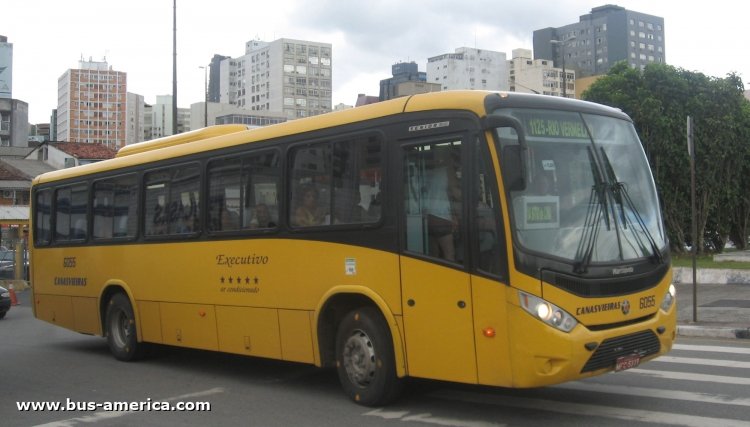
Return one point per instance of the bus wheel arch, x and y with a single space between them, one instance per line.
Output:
354 318
119 324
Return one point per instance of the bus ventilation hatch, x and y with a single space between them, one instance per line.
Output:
643 343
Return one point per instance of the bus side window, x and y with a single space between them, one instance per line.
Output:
356 179
43 223
311 196
487 220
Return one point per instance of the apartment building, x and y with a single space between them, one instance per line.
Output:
539 76
14 113
286 76
407 80
91 104
603 37
469 68
158 119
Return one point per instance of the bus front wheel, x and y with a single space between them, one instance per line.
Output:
120 329
364 358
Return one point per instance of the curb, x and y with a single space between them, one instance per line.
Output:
718 276
739 332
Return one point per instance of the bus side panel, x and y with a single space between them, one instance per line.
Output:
296 335
249 331
189 325
150 321
55 309
493 354
86 315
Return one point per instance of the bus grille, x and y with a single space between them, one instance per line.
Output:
643 343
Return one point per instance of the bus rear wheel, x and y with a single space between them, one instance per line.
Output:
119 325
364 358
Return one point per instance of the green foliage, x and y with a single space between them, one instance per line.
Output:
659 99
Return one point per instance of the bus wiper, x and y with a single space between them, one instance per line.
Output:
622 197
594 213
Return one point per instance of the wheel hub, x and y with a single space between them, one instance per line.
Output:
359 358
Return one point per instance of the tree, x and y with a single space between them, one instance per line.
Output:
659 99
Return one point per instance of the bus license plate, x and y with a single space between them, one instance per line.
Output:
627 362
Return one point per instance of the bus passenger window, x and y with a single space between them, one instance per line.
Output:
311 189
357 173
43 223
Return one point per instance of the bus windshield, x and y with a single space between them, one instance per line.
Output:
589 195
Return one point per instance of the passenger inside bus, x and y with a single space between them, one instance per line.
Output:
262 217
442 207
308 211
230 220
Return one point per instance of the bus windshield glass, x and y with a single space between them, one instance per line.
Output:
589 195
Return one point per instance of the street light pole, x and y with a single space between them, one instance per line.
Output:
562 51
205 95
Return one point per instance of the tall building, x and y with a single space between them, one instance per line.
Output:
14 113
6 68
469 68
91 104
135 116
407 80
161 118
214 77
607 35
539 76
287 76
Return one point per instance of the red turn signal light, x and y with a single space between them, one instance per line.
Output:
489 332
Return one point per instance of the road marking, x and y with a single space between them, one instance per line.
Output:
428 419
712 348
691 377
106 415
578 409
708 362
719 399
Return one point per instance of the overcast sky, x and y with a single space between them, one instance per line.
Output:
368 37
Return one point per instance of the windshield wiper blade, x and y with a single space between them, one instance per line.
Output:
597 207
621 196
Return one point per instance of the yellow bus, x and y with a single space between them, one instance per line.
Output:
477 237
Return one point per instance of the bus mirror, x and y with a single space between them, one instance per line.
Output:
498 121
512 164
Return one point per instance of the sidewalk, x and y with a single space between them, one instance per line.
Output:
722 302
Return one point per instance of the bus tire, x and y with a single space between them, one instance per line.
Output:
364 358
119 325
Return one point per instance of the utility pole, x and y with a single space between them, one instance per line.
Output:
693 226
174 68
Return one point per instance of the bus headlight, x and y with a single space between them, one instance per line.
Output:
547 312
668 300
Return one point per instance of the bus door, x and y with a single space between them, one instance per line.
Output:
435 286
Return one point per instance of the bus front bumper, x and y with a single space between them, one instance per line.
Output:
542 355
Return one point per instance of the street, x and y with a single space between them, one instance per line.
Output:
701 382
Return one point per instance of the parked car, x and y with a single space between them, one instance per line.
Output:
4 301
8 264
